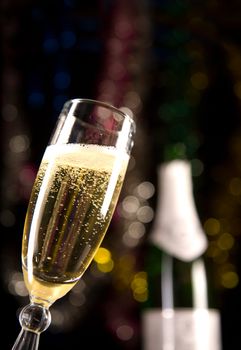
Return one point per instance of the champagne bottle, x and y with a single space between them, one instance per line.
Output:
177 315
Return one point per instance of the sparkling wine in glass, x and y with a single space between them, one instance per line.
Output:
71 205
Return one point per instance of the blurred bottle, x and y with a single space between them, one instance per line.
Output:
178 313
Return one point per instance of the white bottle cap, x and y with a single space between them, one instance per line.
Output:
177 228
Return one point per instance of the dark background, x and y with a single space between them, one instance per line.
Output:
177 66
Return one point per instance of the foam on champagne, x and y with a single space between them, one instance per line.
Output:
90 156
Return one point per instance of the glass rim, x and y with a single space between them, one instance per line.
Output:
102 104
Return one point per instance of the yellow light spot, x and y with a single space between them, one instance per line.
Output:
225 241
141 297
230 279
235 186
106 267
199 80
139 281
212 226
102 256
139 286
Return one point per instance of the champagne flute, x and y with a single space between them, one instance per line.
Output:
71 205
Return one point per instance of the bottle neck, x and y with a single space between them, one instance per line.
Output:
195 272
173 283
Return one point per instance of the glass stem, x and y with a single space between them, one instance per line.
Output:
34 319
26 340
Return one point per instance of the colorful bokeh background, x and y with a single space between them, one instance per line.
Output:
176 64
